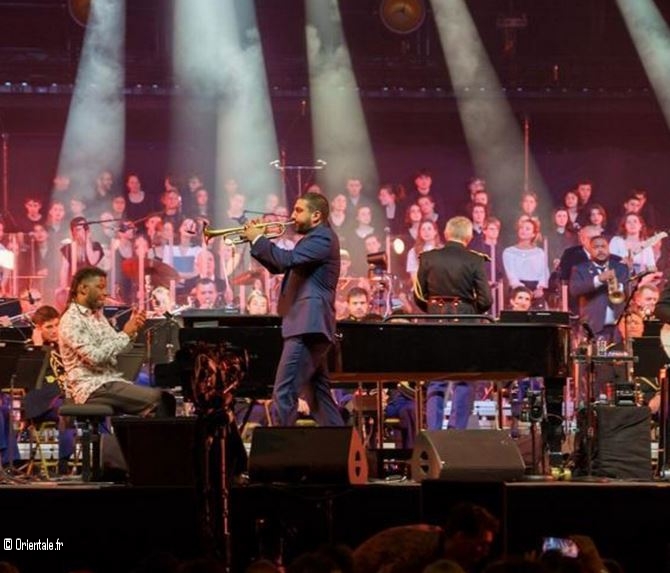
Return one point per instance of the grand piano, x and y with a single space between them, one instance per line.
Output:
400 350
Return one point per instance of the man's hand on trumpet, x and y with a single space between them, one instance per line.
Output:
252 230
607 275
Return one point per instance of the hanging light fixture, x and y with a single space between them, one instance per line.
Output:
79 10
402 16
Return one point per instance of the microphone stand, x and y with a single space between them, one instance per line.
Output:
171 320
588 396
281 166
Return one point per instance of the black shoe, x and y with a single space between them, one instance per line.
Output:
64 467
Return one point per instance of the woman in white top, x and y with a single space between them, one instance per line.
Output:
525 263
628 244
427 240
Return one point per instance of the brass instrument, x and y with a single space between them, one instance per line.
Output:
58 368
615 290
235 235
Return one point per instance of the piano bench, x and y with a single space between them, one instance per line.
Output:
88 417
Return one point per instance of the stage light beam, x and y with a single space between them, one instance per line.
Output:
651 37
220 68
492 131
340 131
95 129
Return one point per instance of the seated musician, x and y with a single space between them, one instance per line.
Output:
257 303
206 294
41 405
521 299
89 348
161 302
205 266
640 310
358 303
645 299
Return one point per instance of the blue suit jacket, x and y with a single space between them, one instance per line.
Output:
593 300
311 270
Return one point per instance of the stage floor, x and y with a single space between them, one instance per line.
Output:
111 528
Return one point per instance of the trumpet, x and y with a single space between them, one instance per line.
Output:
235 235
615 290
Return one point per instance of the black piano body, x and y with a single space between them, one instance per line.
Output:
400 350
452 351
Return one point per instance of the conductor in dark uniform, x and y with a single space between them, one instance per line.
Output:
452 280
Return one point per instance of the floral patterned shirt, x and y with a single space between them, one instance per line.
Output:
89 347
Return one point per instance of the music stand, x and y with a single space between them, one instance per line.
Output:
129 362
25 368
31 367
10 307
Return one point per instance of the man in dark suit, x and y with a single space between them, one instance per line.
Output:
573 256
307 305
589 283
452 280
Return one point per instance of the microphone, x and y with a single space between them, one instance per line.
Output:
590 335
31 300
303 107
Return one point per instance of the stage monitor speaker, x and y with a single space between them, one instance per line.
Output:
161 451
466 455
621 443
307 455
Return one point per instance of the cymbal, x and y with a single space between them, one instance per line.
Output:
160 272
247 278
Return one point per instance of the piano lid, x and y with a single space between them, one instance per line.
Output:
216 317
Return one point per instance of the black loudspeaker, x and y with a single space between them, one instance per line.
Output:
307 455
622 443
161 451
466 455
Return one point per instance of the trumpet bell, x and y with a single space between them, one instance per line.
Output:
617 296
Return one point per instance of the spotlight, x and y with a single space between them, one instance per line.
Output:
402 16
